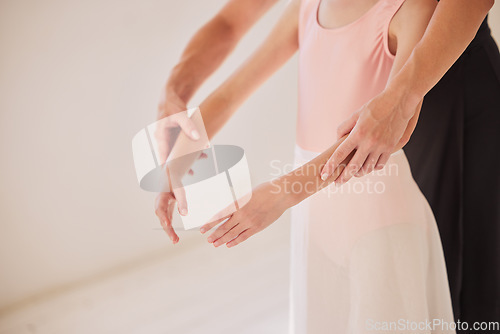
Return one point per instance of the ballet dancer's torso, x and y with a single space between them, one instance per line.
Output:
346 55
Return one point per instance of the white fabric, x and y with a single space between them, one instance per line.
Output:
362 257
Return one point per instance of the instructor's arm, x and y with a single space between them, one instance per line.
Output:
206 51
385 122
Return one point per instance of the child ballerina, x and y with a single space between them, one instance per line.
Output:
366 255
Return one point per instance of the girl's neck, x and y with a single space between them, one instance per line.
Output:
334 14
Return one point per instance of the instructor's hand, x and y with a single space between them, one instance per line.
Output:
164 208
375 131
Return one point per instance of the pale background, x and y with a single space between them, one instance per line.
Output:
77 80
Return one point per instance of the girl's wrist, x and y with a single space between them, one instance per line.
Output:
282 196
285 193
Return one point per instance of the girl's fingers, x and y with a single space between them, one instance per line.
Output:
339 155
222 215
223 229
212 224
166 224
242 237
230 235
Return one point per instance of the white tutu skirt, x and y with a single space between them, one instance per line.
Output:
367 258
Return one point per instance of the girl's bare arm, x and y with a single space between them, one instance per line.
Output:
280 45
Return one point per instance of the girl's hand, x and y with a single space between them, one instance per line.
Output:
267 204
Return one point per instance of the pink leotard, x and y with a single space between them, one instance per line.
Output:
340 69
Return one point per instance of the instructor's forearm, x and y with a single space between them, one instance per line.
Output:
203 55
451 29
210 46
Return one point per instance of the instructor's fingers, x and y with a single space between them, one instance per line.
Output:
382 161
352 167
369 164
347 126
166 224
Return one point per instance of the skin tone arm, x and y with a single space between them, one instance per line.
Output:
206 51
271 199
276 50
387 121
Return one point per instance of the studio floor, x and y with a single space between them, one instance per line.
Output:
227 291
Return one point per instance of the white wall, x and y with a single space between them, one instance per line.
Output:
77 80
494 20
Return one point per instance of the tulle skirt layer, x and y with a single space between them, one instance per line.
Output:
366 257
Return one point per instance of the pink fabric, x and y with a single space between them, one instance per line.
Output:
367 252
339 69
